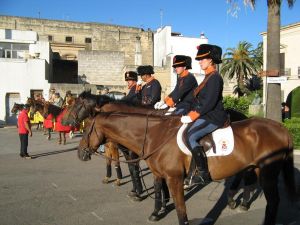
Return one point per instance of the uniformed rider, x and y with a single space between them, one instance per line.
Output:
207 111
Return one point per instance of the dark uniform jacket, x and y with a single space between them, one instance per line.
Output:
150 93
179 95
208 101
132 95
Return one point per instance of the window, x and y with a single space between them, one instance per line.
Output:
69 39
13 50
88 40
50 38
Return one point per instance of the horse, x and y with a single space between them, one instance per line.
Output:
88 105
35 117
16 108
45 109
269 154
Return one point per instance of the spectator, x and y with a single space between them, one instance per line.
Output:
24 130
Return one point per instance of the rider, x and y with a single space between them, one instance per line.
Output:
151 91
186 82
131 78
207 111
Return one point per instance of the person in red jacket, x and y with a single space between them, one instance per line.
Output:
24 129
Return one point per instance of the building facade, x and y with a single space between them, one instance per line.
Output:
289 60
24 66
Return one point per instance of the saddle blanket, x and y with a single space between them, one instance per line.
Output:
222 137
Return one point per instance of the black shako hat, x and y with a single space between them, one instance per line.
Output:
131 75
213 52
181 61
141 70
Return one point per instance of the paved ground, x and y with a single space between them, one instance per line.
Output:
56 188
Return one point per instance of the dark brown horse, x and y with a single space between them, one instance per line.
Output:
88 105
16 108
260 143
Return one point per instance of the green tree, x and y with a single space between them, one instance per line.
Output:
241 63
273 102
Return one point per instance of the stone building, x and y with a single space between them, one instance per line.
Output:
101 52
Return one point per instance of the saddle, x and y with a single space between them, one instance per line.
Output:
218 143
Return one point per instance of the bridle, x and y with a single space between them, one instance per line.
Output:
74 113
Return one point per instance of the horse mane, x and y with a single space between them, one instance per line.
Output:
54 110
101 100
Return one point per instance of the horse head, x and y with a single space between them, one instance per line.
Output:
16 107
90 142
86 105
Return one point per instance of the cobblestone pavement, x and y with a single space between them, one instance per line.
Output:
55 188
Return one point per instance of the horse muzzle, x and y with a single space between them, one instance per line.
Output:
84 154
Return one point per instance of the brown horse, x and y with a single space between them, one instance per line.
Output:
87 105
16 108
260 143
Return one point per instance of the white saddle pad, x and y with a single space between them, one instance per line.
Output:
223 139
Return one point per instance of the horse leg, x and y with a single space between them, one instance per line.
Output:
233 189
64 135
59 140
117 165
269 182
157 199
249 180
49 133
165 194
175 185
108 167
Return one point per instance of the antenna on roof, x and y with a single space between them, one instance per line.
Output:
161 17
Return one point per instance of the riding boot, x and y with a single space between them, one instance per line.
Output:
190 174
201 174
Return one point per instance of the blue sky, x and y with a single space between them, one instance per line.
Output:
189 17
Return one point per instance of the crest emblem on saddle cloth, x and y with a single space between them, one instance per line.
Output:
222 137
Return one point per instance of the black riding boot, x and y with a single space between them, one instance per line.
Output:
201 174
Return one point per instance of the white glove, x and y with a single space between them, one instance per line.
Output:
164 106
186 119
170 111
139 82
158 104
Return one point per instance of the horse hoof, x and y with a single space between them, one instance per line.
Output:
137 198
118 182
231 204
244 207
153 218
105 180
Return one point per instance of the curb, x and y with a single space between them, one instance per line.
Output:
296 152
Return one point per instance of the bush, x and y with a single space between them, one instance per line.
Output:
293 125
240 104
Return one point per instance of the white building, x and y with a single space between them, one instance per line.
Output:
168 44
290 62
24 69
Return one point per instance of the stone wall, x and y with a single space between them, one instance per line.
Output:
130 40
102 67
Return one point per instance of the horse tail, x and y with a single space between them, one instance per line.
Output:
288 171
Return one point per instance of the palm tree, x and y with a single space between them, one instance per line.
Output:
273 102
240 63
